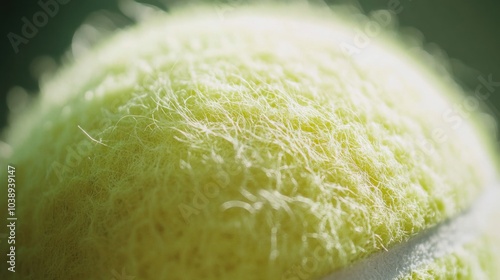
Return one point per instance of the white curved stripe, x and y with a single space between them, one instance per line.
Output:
427 246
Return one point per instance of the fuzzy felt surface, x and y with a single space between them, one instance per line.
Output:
244 147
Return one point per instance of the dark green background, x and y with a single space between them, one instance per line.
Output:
468 31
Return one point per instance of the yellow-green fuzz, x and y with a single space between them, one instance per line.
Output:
248 146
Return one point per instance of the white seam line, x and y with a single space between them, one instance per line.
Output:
425 247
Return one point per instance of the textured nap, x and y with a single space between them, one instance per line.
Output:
246 146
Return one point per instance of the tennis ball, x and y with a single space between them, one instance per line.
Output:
252 146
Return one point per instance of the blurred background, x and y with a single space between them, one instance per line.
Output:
467 31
